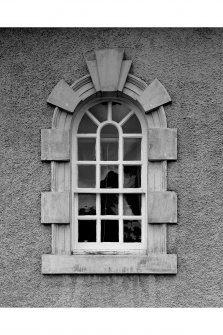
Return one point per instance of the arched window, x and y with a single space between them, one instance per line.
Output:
109 145
109 177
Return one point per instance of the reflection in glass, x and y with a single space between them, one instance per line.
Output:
86 231
109 231
86 149
109 204
86 176
109 143
87 126
132 176
109 176
132 149
119 111
87 204
132 126
132 231
132 204
100 111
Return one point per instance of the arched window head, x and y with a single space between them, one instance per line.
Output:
109 177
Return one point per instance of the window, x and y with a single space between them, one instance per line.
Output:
109 144
109 178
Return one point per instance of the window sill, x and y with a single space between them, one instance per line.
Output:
109 264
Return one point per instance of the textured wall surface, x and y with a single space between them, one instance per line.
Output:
189 63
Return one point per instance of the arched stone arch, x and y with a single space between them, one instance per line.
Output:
150 99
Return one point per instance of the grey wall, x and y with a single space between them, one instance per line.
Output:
189 62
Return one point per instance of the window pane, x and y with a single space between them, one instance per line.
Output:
119 111
132 204
86 149
109 176
132 126
132 149
109 231
100 111
132 231
86 176
132 176
109 143
109 204
109 150
86 231
87 204
87 126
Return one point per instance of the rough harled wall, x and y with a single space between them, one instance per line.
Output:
189 62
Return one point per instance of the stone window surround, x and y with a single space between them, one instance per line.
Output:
162 145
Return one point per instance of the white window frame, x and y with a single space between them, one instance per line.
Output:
109 247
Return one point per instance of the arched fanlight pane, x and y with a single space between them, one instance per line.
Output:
109 143
100 111
119 111
109 131
132 126
87 126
